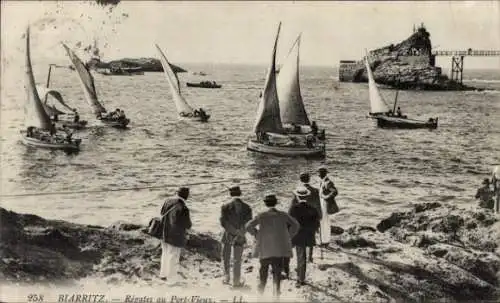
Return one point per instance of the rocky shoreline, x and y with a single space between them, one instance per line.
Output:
434 251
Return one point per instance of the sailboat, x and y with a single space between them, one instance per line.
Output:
87 82
41 132
52 111
184 110
292 110
271 137
385 117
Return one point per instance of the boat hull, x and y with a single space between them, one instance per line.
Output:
317 151
34 142
202 86
116 123
193 118
402 123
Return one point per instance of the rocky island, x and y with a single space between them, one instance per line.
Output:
145 64
433 251
407 65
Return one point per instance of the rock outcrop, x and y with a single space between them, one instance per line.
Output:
432 252
146 64
407 65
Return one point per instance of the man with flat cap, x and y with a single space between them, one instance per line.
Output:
234 216
327 194
273 241
308 218
175 221
312 198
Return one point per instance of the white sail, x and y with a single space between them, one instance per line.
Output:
36 113
268 113
87 82
377 104
180 103
292 108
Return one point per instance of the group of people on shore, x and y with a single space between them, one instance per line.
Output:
275 232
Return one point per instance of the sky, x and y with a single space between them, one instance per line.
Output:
243 32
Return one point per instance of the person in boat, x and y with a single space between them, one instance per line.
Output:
314 128
322 135
53 129
390 113
485 195
309 142
398 112
68 132
203 114
76 117
55 118
29 131
234 216
121 115
273 241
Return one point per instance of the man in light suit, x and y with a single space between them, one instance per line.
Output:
175 221
327 193
273 241
234 216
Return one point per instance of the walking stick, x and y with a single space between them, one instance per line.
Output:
320 243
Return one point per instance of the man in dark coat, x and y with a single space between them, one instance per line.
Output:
234 216
312 199
175 221
273 241
308 218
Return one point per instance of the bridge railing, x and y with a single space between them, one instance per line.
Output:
482 53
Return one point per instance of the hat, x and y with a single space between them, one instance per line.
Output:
486 181
322 168
270 200
304 177
182 191
235 191
301 193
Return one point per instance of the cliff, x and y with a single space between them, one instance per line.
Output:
146 64
431 252
407 65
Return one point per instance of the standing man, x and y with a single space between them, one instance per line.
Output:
273 241
175 221
486 195
234 216
308 218
312 199
327 194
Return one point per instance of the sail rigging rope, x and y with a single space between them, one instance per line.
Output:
135 188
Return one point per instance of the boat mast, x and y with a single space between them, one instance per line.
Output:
48 82
396 98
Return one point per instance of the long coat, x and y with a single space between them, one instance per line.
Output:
328 192
176 222
308 218
234 216
274 236
312 199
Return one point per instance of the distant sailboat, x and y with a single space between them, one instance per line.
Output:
271 137
41 132
292 109
184 110
46 92
87 82
385 117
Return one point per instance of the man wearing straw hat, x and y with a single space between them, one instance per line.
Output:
234 216
175 221
308 218
273 241
312 198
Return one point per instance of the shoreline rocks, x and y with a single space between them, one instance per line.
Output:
432 252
